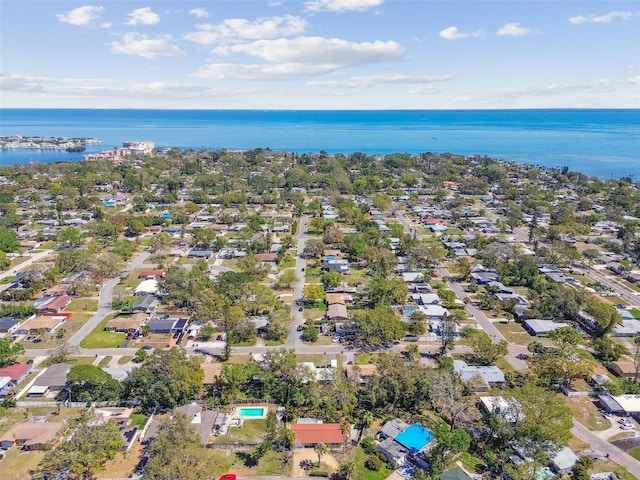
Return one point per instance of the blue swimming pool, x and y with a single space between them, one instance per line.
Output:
251 412
415 437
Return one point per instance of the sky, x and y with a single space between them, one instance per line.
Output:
320 54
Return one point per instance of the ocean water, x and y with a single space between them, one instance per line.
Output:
600 142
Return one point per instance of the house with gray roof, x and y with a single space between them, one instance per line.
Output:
487 376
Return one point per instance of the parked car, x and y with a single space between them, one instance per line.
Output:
627 427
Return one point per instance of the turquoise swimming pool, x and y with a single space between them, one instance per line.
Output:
250 412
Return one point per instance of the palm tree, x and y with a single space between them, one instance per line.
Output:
320 449
347 469
365 422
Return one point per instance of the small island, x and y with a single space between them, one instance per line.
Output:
69 144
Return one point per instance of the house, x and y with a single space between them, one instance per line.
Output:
146 304
151 274
56 304
52 380
31 435
507 408
202 420
146 287
433 312
621 404
341 298
206 254
8 325
5 386
267 257
413 277
563 460
403 441
623 368
484 277
627 328
541 328
127 325
337 265
16 373
161 325
308 435
362 373
337 311
48 323
485 376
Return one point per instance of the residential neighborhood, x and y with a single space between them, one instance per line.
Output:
296 315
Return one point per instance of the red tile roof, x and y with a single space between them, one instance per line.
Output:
267 257
317 433
15 371
158 272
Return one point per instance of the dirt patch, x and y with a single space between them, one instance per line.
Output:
303 455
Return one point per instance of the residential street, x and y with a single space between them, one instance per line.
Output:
105 300
293 340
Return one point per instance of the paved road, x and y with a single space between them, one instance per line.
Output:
105 301
293 339
597 443
33 257
611 283
578 430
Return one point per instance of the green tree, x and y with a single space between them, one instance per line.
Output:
8 240
388 291
310 334
287 278
69 235
167 379
85 451
485 351
320 449
176 434
207 331
90 383
313 292
376 327
8 352
605 316
314 248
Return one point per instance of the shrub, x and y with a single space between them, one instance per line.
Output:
368 445
318 473
373 463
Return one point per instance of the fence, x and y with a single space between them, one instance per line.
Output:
65 404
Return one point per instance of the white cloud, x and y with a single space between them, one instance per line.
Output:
237 29
321 50
199 12
513 30
144 46
364 81
301 57
81 16
425 90
142 16
452 33
606 18
340 5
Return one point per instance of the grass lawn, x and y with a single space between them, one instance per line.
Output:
8 279
634 452
251 432
365 358
98 338
635 312
105 361
83 304
313 313
287 262
271 464
362 473
16 464
125 359
514 332
586 412
318 359
139 419
312 272
630 285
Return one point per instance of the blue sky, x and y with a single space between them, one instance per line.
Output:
320 54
